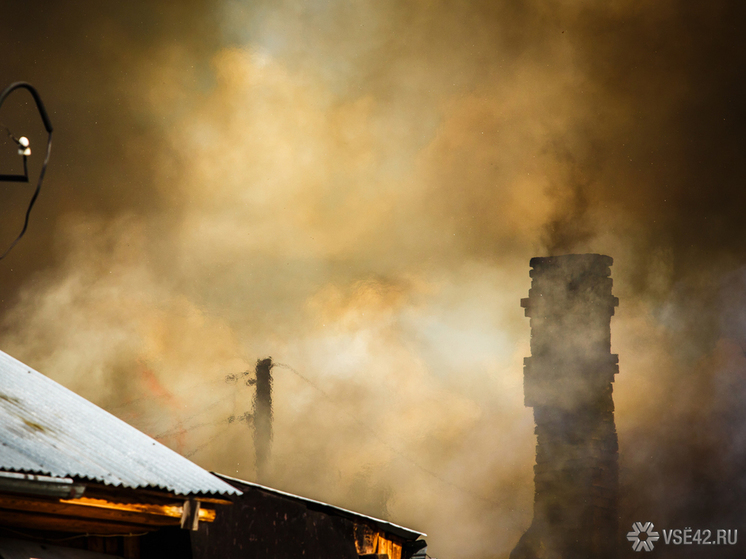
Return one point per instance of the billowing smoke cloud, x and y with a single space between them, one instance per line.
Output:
356 190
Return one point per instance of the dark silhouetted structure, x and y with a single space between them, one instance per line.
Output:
263 417
265 523
75 476
568 382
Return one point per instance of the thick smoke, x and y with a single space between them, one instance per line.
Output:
356 190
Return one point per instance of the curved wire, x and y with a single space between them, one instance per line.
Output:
48 126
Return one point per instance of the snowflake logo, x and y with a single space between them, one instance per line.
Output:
642 536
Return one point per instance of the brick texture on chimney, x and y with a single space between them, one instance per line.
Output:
568 383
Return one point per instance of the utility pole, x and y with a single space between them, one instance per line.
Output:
263 417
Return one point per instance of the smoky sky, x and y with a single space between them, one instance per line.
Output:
356 190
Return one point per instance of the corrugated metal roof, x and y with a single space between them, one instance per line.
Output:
47 429
383 525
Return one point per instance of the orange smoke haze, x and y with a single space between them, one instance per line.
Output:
356 190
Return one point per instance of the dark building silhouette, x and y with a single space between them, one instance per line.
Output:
568 382
266 523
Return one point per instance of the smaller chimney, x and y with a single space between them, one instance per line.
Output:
263 417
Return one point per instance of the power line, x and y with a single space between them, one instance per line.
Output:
25 151
183 427
393 449
180 425
208 443
162 396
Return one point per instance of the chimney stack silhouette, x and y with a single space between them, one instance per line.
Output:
568 383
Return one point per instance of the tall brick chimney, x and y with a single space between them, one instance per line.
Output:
567 381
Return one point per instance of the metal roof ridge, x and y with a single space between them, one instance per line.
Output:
396 527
